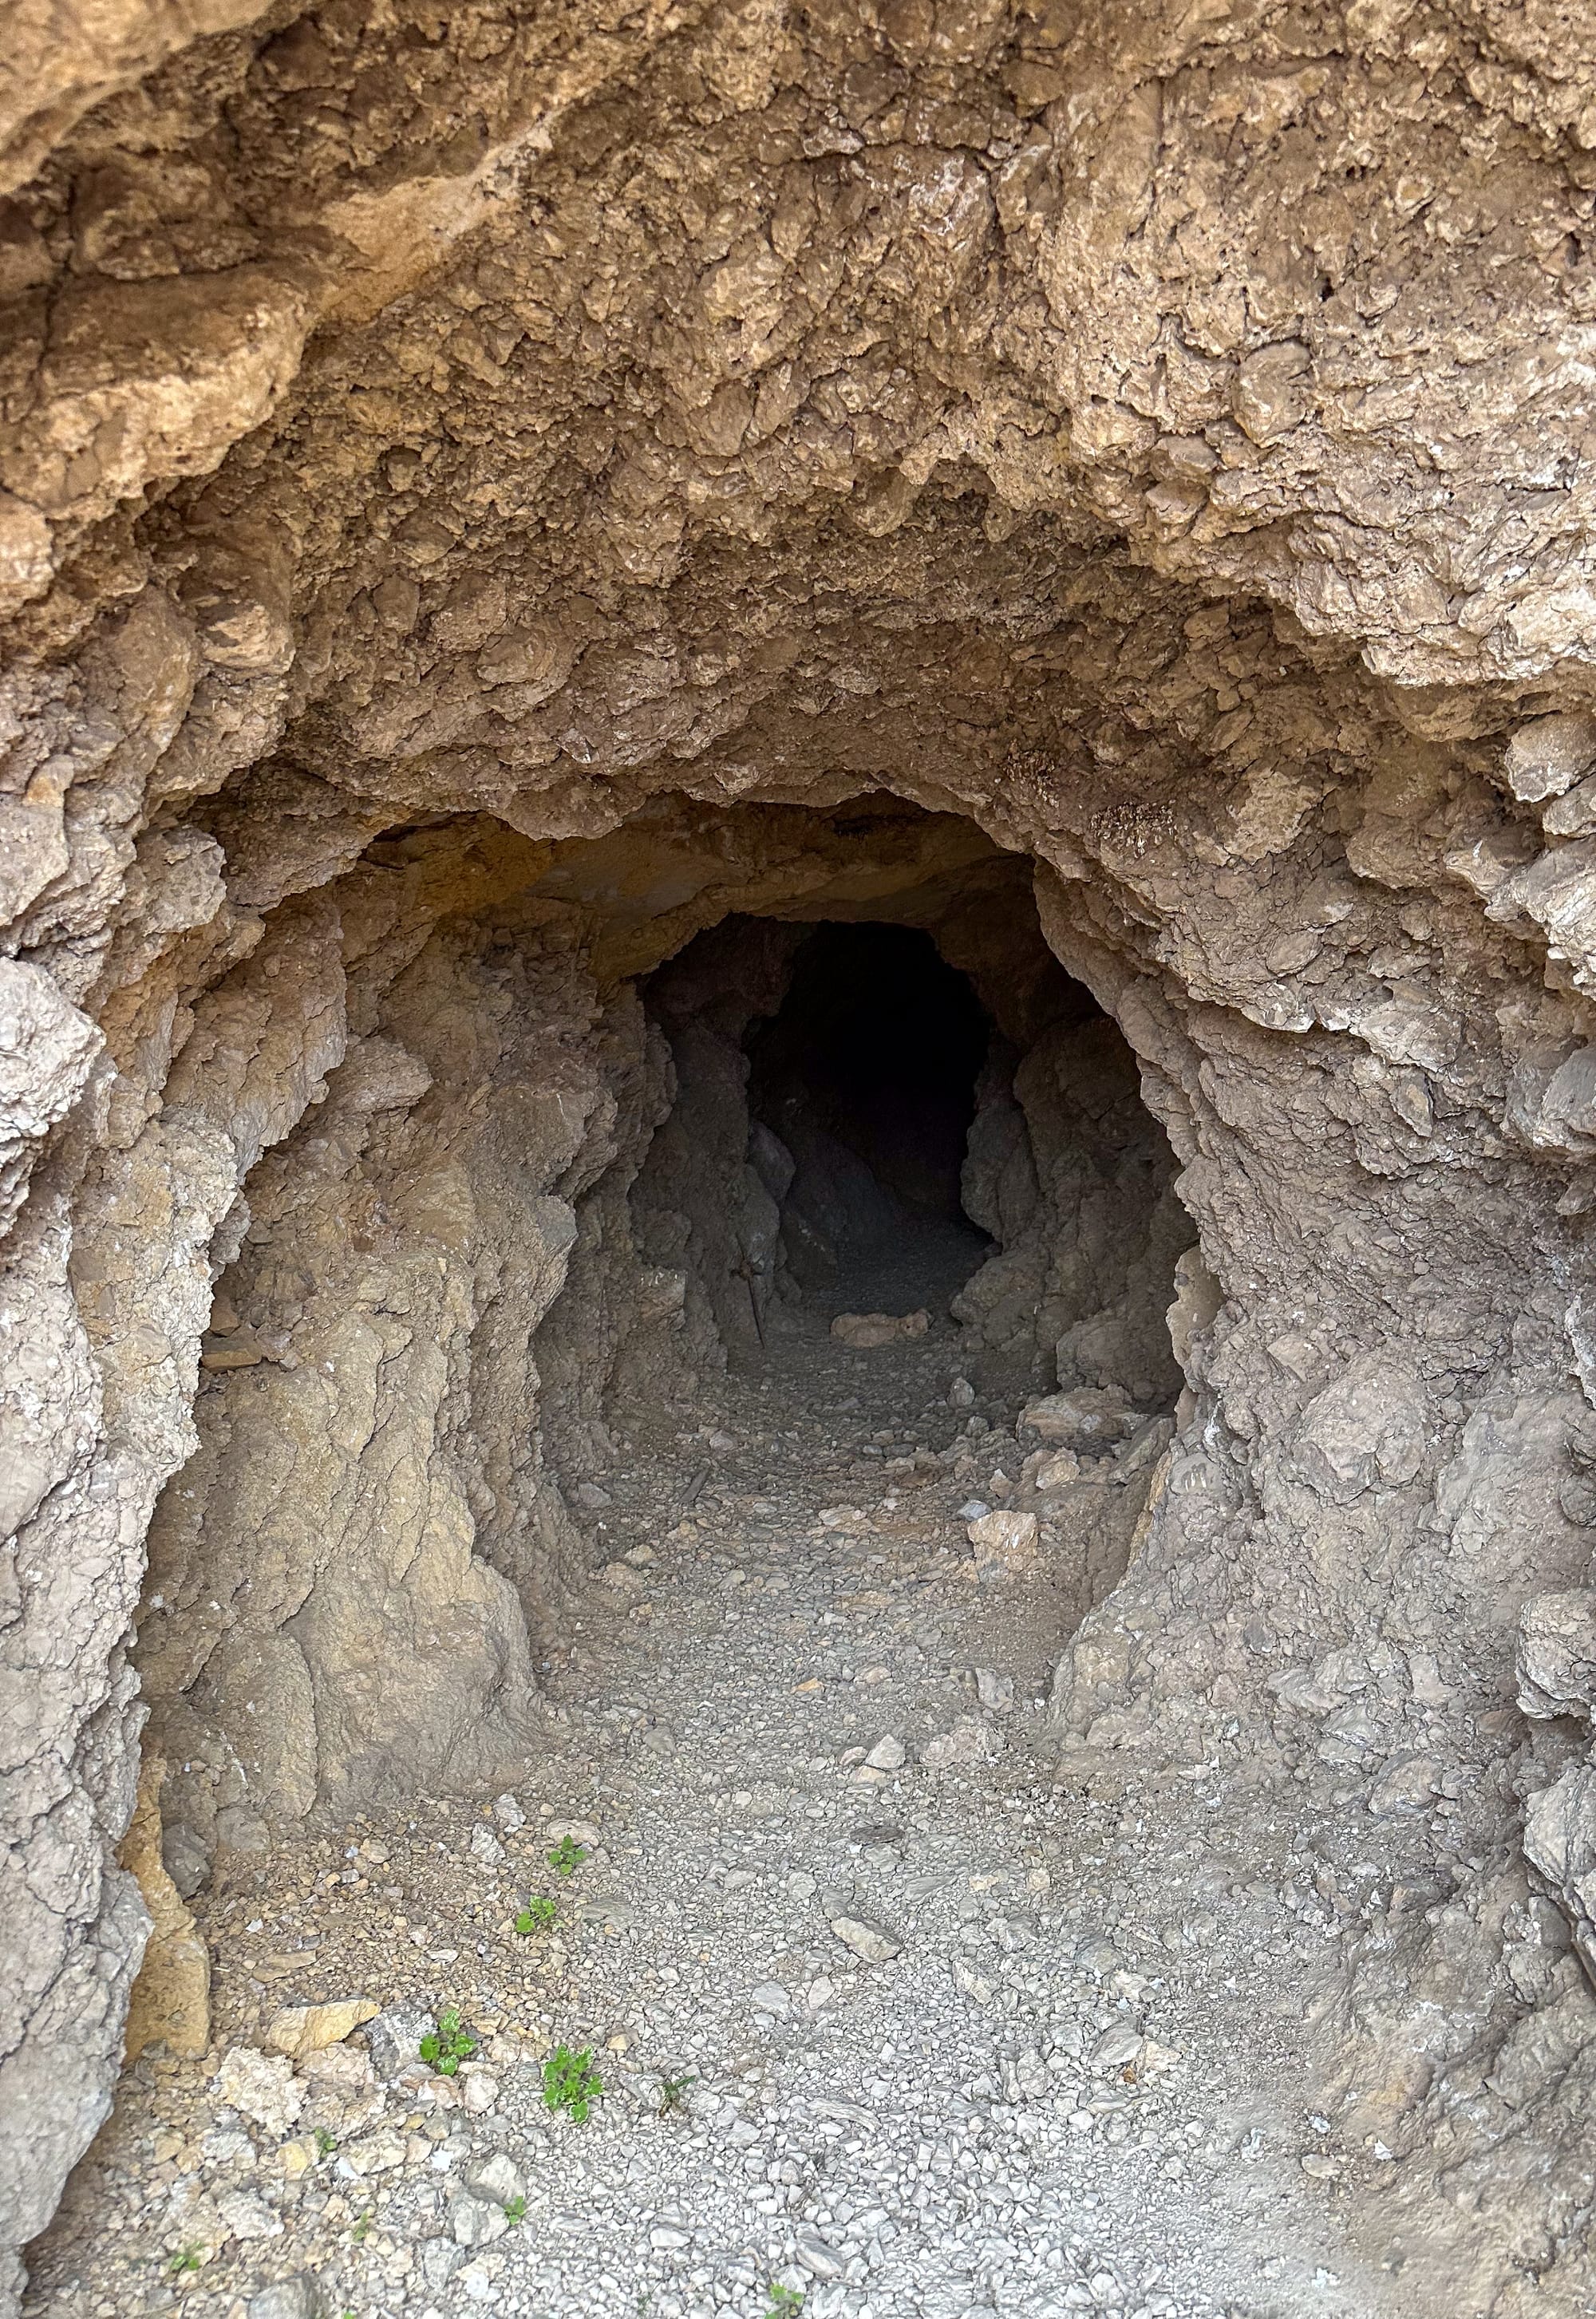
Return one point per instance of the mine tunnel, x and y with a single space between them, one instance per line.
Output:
625 1145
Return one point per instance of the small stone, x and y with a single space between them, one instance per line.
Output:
868 1331
1058 1472
996 1692
509 1814
479 2090
374 2153
887 1754
820 1992
495 2177
1089 1418
869 1942
1405 1788
261 2087
591 1496
289 2298
394 2038
300 2030
244 2216
720 1443
972 1741
475 2222
580 1831
486 1847
1005 1541
962 1393
812 2252
769 1997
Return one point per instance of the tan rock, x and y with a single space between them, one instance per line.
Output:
171 1999
1006 1541
868 1331
299 2030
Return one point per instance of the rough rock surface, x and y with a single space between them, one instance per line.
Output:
487 495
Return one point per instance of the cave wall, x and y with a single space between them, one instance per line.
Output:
1155 435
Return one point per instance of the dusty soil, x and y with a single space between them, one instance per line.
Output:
1079 2081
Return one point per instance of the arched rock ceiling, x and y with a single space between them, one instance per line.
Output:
1295 299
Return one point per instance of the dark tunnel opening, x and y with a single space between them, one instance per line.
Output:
867 1077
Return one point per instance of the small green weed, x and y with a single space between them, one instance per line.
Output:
515 2209
784 2300
326 2143
188 2258
447 2045
569 2082
567 1856
674 2094
538 1914
362 2225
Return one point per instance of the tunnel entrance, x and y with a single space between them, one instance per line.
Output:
866 1077
587 1147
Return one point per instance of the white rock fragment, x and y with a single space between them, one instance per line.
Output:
1089 1418
996 1692
262 2088
871 1943
1005 1541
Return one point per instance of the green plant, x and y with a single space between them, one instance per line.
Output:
188 2258
673 2093
567 1856
569 2082
361 2227
538 1914
515 2209
447 2045
784 2300
326 2143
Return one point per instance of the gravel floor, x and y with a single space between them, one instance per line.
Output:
887 2039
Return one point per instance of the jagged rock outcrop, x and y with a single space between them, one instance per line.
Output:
437 445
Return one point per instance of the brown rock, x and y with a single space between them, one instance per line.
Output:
171 2000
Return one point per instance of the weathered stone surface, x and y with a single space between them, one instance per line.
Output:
1558 1654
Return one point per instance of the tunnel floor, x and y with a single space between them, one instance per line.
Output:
885 2018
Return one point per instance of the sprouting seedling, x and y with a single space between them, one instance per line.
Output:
326 2143
361 2227
188 2258
784 2300
567 1856
570 2083
515 2209
538 1914
449 2044
674 2094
